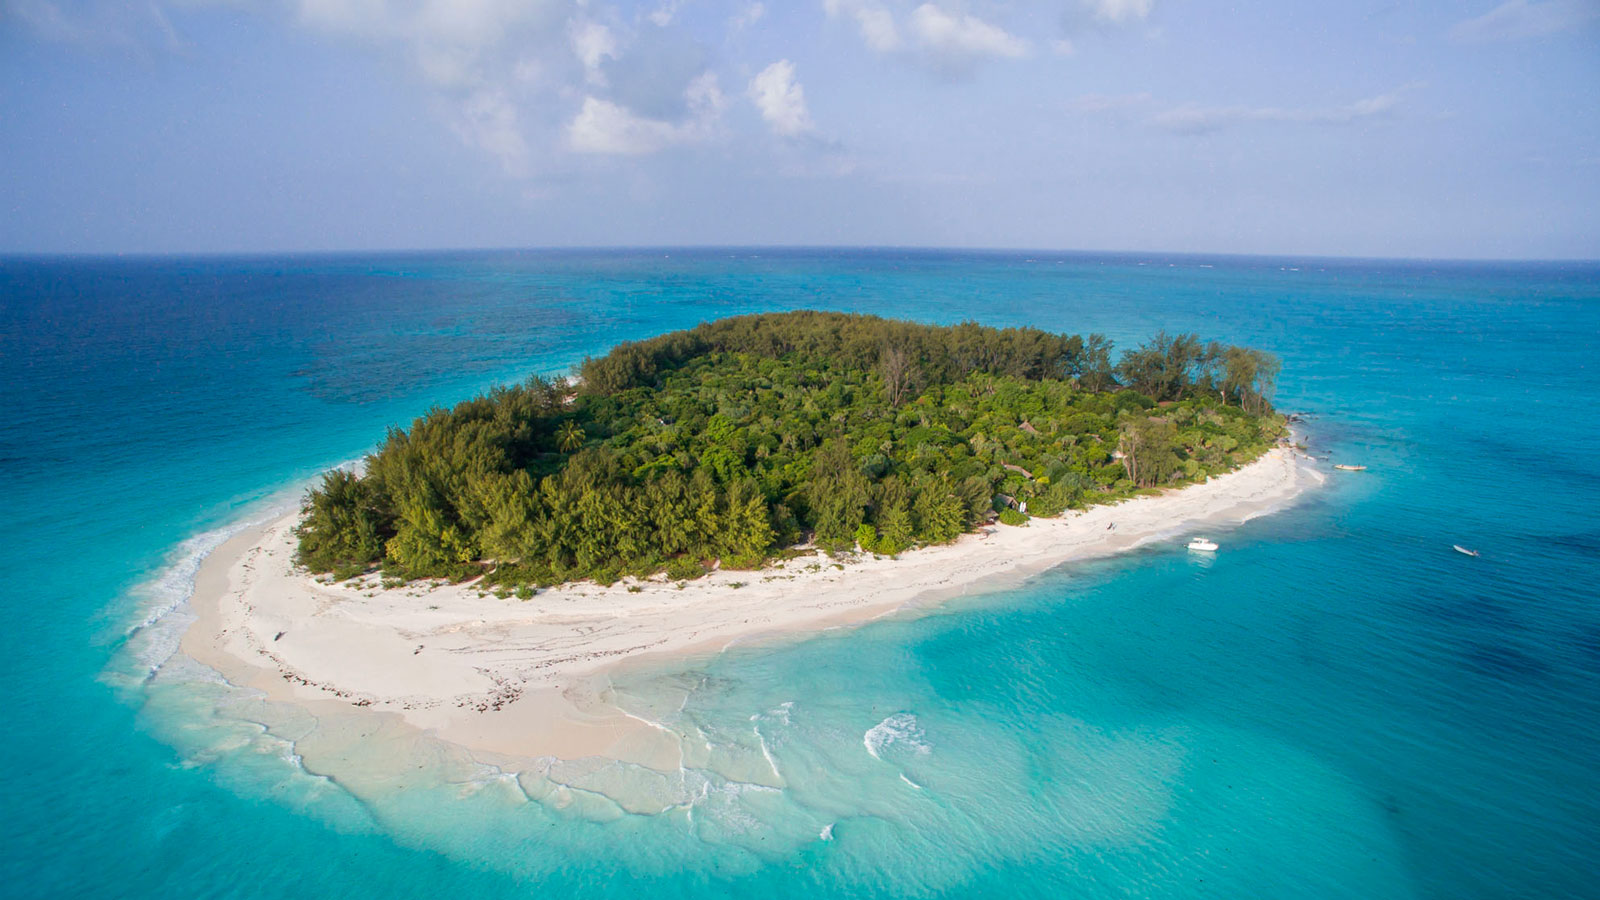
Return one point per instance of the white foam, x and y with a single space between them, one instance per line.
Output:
900 728
161 603
182 669
289 752
779 712
767 753
174 582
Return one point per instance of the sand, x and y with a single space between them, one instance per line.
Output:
509 679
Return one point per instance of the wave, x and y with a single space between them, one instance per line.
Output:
900 728
781 713
160 603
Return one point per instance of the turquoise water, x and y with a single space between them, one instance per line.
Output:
1337 705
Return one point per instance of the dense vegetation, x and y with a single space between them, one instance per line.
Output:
733 440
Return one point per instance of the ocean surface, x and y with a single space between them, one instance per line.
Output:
1337 705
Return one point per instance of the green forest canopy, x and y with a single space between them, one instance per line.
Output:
738 438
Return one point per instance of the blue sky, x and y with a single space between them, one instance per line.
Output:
1461 129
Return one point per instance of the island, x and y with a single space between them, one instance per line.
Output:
481 576
727 444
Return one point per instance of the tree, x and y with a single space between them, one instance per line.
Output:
740 435
1148 447
867 537
341 524
1163 368
837 494
671 518
1266 380
746 533
704 518
428 543
1238 372
509 502
941 516
899 374
1250 375
1096 372
895 531
570 436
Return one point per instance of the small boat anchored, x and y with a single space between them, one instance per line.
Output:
1203 545
1461 549
1350 468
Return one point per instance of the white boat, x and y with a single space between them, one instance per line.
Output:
1203 545
1461 549
1351 468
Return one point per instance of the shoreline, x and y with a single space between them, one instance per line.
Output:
516 682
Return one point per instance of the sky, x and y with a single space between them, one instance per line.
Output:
1467 129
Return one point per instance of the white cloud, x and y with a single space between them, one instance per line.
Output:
1521 19
480 56
495 71
959 37
354 16
488 121
704 97
939 33
1193 119
476 23
593 44
1118 12
781 100
641 85
950 37
464 23
604 127
1101 103
878 28
663 15
1090 16
607 128
528 70
447 66
128 26
874 20
746 17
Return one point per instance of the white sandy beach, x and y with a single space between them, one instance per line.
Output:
525 679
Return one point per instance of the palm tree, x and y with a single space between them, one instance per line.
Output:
570 436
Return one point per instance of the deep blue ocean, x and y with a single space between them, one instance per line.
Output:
1337 705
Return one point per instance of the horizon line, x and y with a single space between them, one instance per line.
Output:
134 255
